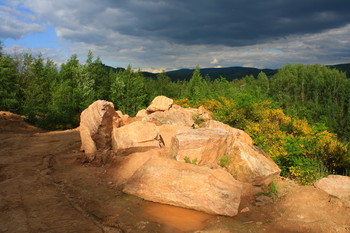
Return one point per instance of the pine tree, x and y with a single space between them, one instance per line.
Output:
196 89
37 93
128 91
9 84
100 76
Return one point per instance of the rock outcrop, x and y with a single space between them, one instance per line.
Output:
335 185
126 166
160 103
247 163
186 185
150 151
206 146
142 113
96 124
239 135
124 117
135 137
174 116
168 131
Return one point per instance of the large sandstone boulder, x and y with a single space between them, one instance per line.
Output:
124 167
335 185
168 131
186 185
206 145
160 103
175 116
96 125
238 134
135 137
249 164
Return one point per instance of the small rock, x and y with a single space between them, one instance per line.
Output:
245 210
141 225
263 200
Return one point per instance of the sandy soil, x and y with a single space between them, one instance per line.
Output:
44 187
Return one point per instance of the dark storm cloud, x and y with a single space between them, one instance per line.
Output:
177 33
232 23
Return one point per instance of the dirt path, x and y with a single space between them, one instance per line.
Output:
44 188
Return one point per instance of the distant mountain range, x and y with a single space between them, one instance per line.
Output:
230 73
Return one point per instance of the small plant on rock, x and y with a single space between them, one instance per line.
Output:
193 161
224 161
198 119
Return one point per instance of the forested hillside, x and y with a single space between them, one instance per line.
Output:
300 116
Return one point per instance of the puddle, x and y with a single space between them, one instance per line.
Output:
175 219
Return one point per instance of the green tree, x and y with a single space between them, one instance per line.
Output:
72 92
128 91
37 93
9 84
197 87
314 92
99 74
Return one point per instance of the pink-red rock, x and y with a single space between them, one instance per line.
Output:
238 134
335 185
160 103
135 137
175 116
186 185
124 117
205 145
96 124
168 131
250 164
124 167
142 113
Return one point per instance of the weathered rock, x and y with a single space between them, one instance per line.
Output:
124 117
204 113
142 113
245 210
135 137
125 166
250 164
238 134
160 103
168 131
262 200
175 116
96 125
335 185
204 144
186 185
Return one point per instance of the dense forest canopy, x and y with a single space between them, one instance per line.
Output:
300 115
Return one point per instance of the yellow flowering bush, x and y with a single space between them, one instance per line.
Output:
302 151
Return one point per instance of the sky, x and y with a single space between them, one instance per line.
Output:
159 35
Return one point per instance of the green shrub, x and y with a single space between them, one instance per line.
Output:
188 160
224 161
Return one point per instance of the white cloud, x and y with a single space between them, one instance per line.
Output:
16 24
214 61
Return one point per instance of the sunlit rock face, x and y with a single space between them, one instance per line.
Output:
96 125
213 191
